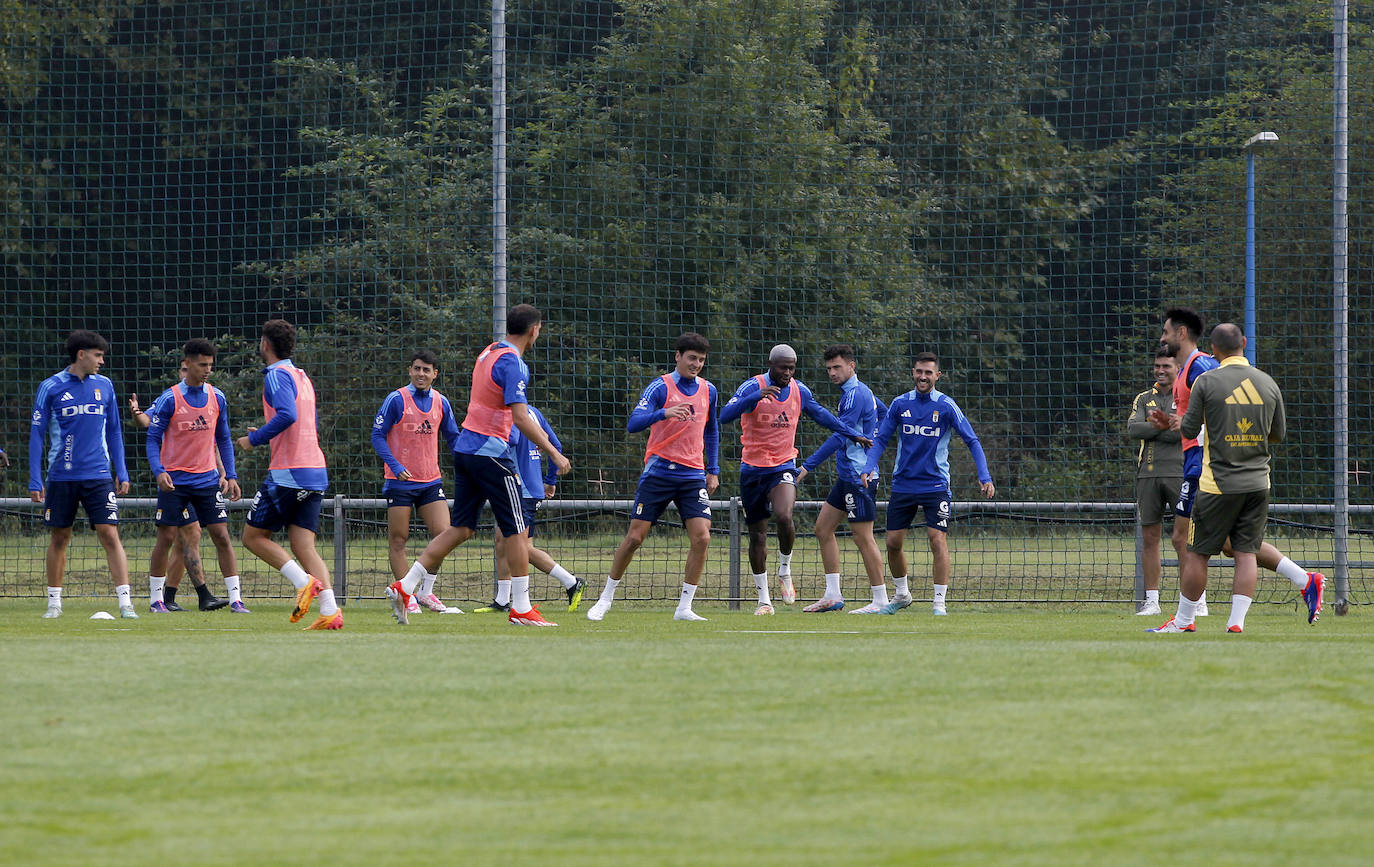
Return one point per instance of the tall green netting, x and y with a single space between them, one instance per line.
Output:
1019 187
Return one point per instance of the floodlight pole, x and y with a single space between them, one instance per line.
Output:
1340 300
498 169
1255 142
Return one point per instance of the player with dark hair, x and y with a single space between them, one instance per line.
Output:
483 471
1159 470
769 407
189 425
1181 333
849 498
1243 410
76 429
679 409
293 492
405 435
926 419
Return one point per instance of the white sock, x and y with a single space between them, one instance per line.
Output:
231 584
55 597
1293 572
563 576
1151 596
879 594
761 582
328 606
125 597
520 594
155 585
427 585
939 601
608 592
502 591
1240 606
689 592
1187 611
413 578
293 572
902 588
1202 600
784 565
832 585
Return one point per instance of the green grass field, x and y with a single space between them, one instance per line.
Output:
997 735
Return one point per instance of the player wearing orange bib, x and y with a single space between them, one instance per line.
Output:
483 471
189 428
768 407
291 496
405 436
680 466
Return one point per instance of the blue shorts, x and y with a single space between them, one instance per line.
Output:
528 506
938 508
856 501
96 496
188 505
756 489
655 493
413 498
276 507
1186 494
479 479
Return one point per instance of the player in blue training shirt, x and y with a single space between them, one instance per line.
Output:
681 466
769 408
920 479
76 429
536 485
849 498
405 435
188 441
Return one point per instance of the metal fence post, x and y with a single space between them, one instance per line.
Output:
340 552
735 537
1139 560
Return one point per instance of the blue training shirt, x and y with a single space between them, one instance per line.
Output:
650 410
925 422
861 410
389 415
75 431
160 415
528 459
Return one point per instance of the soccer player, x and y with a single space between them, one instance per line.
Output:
535 486
768 407
920 479
483 471
4 458
76 427
1243 411
849 499
1181 333
405 436
1159 470
165 591
189 424
680 466
291 495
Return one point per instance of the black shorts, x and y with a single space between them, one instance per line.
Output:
413 498
1239 517
276 507
655 493
1155 497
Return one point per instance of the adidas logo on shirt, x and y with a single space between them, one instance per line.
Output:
1246 395
67 395
906 413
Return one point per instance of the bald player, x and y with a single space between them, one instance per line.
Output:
768 407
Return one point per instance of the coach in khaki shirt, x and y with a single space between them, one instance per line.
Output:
1242 409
